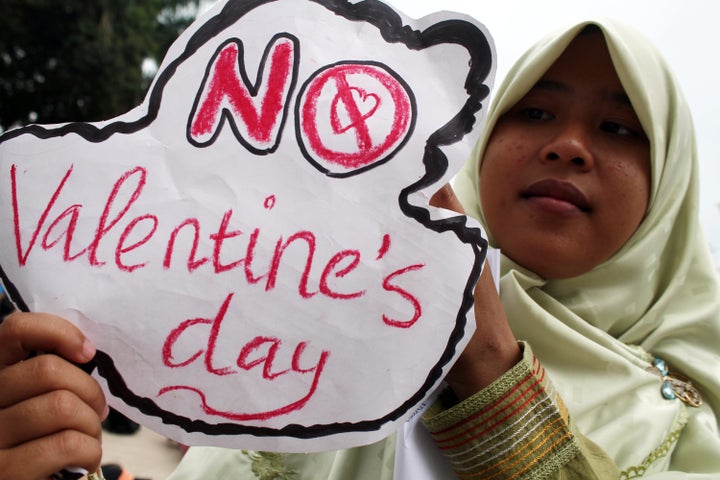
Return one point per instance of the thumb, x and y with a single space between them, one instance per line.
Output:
446 198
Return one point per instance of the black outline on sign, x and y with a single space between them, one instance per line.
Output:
390 26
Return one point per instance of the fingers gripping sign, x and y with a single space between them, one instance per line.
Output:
251 249
46 402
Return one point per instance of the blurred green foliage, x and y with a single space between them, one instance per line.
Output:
81 60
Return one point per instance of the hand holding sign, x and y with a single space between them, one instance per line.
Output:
252 250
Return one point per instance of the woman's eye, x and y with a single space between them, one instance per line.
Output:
616 128
536 114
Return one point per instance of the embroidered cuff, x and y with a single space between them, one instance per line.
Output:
517 427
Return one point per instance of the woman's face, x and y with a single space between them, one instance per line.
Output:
565 179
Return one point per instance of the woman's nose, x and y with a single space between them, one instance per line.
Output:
572 144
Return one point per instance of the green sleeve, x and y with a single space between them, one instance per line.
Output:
518 427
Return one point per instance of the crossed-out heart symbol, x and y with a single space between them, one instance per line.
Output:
359 105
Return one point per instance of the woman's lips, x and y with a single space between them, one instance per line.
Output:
557 195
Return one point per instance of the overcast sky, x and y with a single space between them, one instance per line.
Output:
685 31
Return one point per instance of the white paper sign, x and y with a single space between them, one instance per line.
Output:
251 249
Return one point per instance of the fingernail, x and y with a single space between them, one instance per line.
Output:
106 412
88 349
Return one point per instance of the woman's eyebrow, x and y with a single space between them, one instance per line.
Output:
551 85
619 97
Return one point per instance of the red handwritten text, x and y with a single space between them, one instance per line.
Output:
136 234
255 112
258 353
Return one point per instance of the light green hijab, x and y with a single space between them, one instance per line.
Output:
657 296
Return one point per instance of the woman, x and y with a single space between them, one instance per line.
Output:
588 184
598 299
